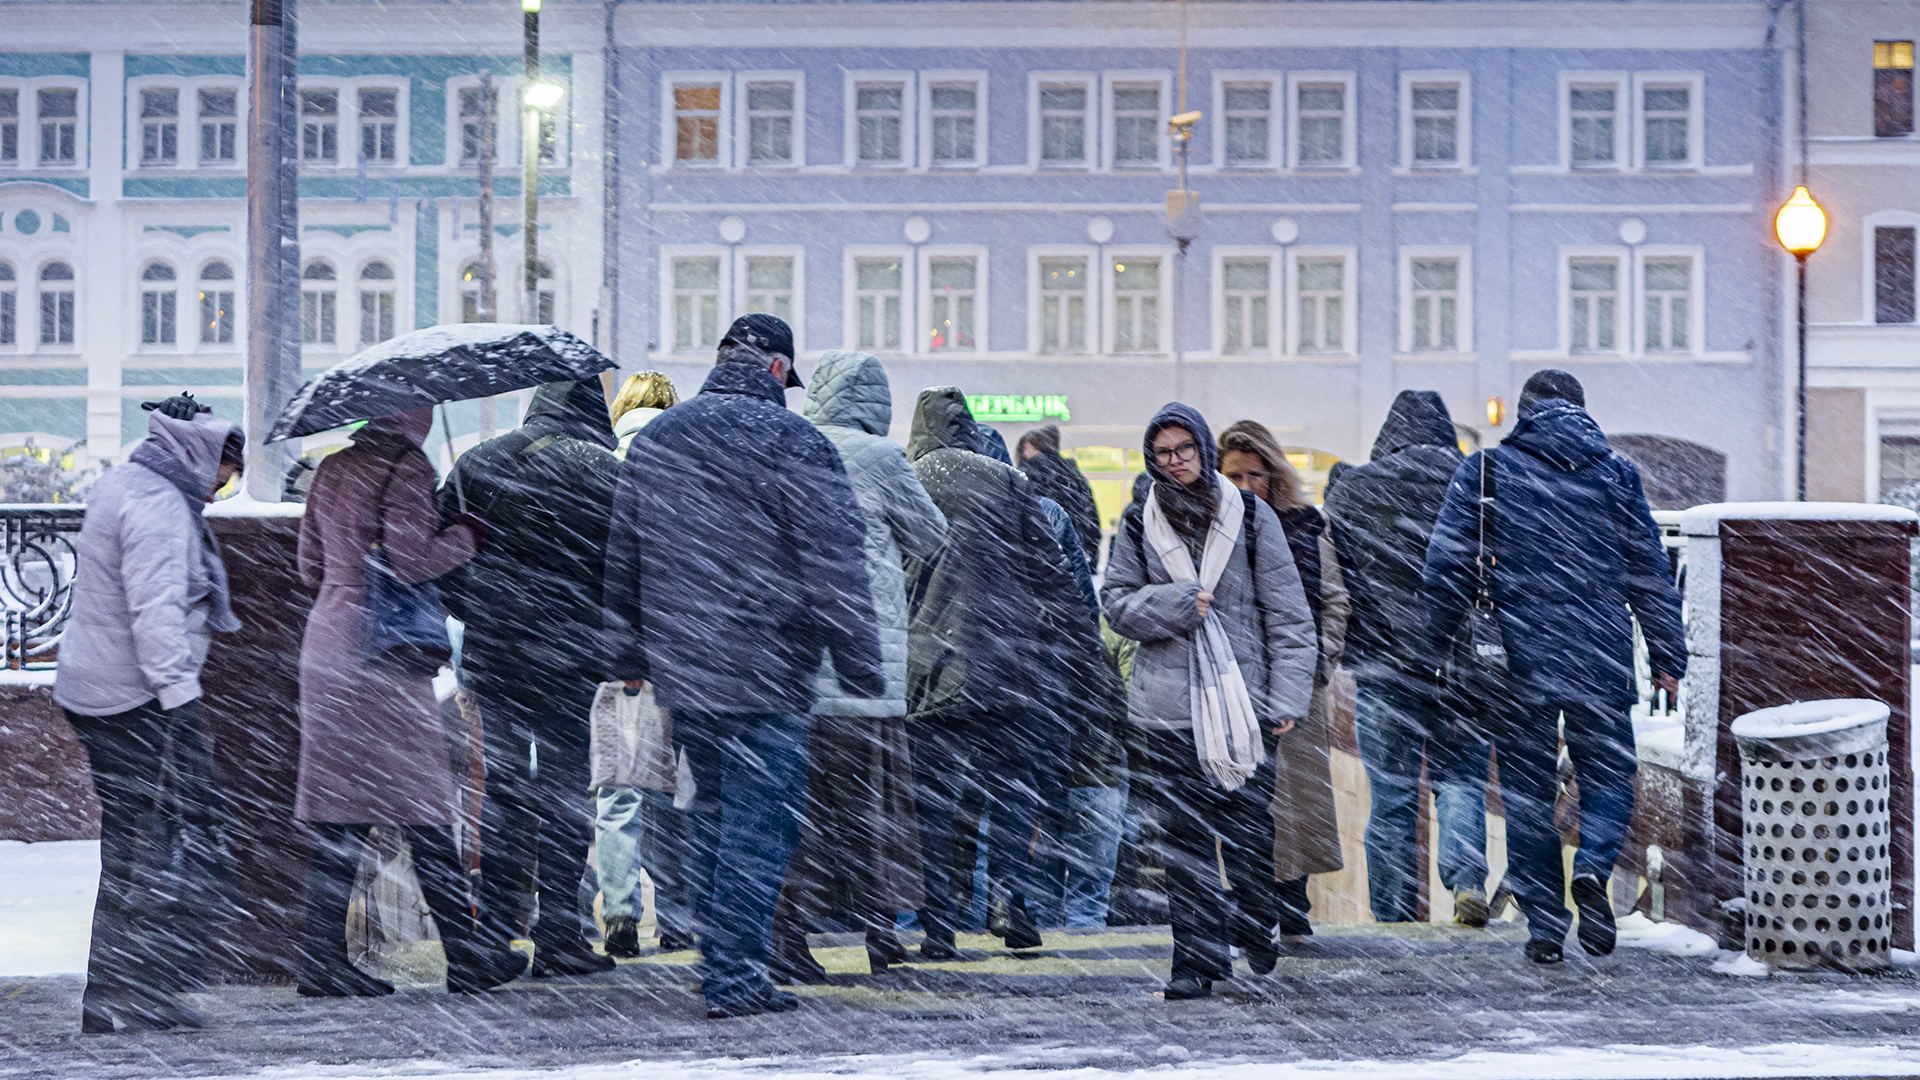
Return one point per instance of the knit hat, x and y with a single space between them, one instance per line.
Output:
1551 384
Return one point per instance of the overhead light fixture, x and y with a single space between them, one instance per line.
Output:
544 95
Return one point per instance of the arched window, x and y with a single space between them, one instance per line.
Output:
377 303
543 301
319 304
56 304
470 283
217 312
9 317
159 304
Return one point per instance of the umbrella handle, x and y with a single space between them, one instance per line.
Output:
446 430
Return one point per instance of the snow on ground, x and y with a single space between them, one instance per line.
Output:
46 905
1636 931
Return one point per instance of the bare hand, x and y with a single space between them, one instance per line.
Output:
1206 598
1284 726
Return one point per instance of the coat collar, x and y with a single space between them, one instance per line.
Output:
745 379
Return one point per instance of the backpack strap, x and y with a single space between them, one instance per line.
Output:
1485 559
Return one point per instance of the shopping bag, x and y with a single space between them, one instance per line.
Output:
632 743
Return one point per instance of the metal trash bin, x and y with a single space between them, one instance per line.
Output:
1814 784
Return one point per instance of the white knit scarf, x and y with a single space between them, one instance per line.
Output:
1225 730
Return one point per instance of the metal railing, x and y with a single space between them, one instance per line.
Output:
36 579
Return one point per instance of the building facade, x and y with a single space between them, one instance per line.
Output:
1394 195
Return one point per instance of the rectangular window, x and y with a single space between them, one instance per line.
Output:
1323 124
877 303
56 316
1248 289
955 109
880 116
159 127
1323 308
475 106
158 312
1594 117
770 118
1249 123
1136 125
216 316
219 126
1136 305
547 130
1664 122
319 314
1593 307
1893 275
376 315
1063 305
696 123
8 318
696 304
1436 305
952 298
770 286
59 127
1666 295
380 125
1436 125
319 125
1892 89
1063 124
9 127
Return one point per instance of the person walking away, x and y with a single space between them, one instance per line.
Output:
861 838
1575 549
631 831
1381 515
1202 577
149 592
1306 828
735 560
533 654
1057 477
372 748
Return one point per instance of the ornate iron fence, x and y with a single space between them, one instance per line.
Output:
36 580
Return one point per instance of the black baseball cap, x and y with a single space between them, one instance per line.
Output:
767 333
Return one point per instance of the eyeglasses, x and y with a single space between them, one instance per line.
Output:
1186 451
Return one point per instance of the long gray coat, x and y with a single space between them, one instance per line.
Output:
1267 621
850 402
372 750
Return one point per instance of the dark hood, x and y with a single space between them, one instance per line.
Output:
991 443
1561 434
577 410
1417 418
1174 414
941 421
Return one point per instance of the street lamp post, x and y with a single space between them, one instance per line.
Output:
1800 225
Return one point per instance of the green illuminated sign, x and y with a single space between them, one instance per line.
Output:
1017 408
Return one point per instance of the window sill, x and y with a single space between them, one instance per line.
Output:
1324 170
1435 357
1436 170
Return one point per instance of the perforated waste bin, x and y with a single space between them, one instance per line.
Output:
1814 787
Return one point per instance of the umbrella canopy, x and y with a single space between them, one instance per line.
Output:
438 364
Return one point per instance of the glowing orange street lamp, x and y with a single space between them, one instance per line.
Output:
1800 225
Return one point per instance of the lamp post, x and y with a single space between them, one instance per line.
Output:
1800 225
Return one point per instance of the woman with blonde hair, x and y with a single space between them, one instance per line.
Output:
642 397
1306 833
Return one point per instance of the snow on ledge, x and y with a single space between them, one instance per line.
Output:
26 678
1810 718
1705 520
244 505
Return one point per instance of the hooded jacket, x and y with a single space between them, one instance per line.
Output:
1382 514
977 637
1058 478
531 597
851 403
1575 548
737 556
143 596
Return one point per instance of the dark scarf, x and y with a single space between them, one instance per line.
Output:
151 456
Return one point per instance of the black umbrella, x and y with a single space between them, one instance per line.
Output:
435 365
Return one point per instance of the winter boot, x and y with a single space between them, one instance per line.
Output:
1188 987
791 962
623 937
884 950
1009 921
1596 914
100 1010
1470 908
1542 951
475 969
568 958
340 980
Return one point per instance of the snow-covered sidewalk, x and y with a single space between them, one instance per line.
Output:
46 905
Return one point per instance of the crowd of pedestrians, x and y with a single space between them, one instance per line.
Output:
899 687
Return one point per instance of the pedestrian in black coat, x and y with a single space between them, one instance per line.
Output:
1058 478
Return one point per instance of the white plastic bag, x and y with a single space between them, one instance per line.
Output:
632 740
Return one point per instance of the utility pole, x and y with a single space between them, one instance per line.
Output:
486 301
273 239
530 155
1183 215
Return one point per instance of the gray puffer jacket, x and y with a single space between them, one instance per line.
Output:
142 607
849 400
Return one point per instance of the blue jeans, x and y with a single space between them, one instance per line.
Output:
750 770
619 830
1600 742
1396 729
1095 818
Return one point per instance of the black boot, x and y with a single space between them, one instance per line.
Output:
791 962
325 969
474 969
101 1009
1009 921
884 949
576 957
623 937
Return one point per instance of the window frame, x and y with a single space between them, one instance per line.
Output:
1349 300
1091 150
909 131
28 121
1695 84
142 288
743 121
1891 51
39 285
1463 340
1624 312
189 119
1348 125
359 286
795 252
200 120
928 80
321 288
850 258
1696 289
1463 125
670 127
1869 262
10 305
238 316
137 114
1111 81
1036 333
668 254
1625 131
1108 289
923 321
399 119
1276 295
1276 83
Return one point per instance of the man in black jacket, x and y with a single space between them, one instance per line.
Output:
1058 478
1382 514
532 653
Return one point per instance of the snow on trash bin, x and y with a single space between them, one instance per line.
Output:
1814 787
